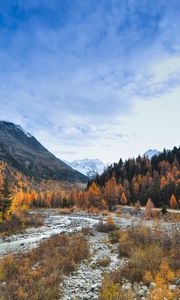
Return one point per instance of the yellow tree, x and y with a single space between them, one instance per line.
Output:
173 201
163 182
94 195
111 193
148 209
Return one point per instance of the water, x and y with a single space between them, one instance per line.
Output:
53 224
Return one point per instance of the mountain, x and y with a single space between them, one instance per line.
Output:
23 152
150 153
88 167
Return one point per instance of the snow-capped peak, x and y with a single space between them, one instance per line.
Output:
151 152
88 167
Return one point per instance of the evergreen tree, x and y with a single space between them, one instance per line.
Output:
5 202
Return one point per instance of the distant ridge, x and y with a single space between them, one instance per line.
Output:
24 152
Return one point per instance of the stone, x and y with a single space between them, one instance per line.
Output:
141 292
177 281
172 287
152 285
148 294
145 288
3 284
126 286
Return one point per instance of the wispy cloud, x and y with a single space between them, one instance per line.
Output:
74 69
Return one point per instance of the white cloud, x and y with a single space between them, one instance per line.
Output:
72 78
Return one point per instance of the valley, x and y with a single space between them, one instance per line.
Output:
87 280
71 236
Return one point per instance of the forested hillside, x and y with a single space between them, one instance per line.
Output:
129 182
19 192
139 179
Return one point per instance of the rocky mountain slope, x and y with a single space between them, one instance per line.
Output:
23 151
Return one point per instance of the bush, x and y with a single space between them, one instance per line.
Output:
114 236
104 262
112 291
146 248
143 260
106 226
153 255
20 221
164 209
36 275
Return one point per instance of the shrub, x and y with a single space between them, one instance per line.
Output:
114 236
106 226
146 248
36 275
87 231
113 291
20 221
104 262
143 260
164 209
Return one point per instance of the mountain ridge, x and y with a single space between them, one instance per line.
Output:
25 153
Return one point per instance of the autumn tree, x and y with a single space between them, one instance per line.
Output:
94 195
173 202
111 193
148 208
123 198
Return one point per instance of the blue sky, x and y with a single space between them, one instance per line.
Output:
96 79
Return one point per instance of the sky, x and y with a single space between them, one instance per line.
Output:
92 79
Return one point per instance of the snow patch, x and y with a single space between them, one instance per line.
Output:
25 132
150 153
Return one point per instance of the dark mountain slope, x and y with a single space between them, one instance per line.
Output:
22 151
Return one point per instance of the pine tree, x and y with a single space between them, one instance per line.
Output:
5 203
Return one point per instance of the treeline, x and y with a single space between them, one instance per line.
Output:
19 192
139 179
131 182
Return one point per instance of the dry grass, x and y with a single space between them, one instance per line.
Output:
170 217
103 262
113 291
146 248
65 211
153 255
36 275
19 222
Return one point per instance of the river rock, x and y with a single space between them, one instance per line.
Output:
177 281
172 287
152 285
141 292
145 288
